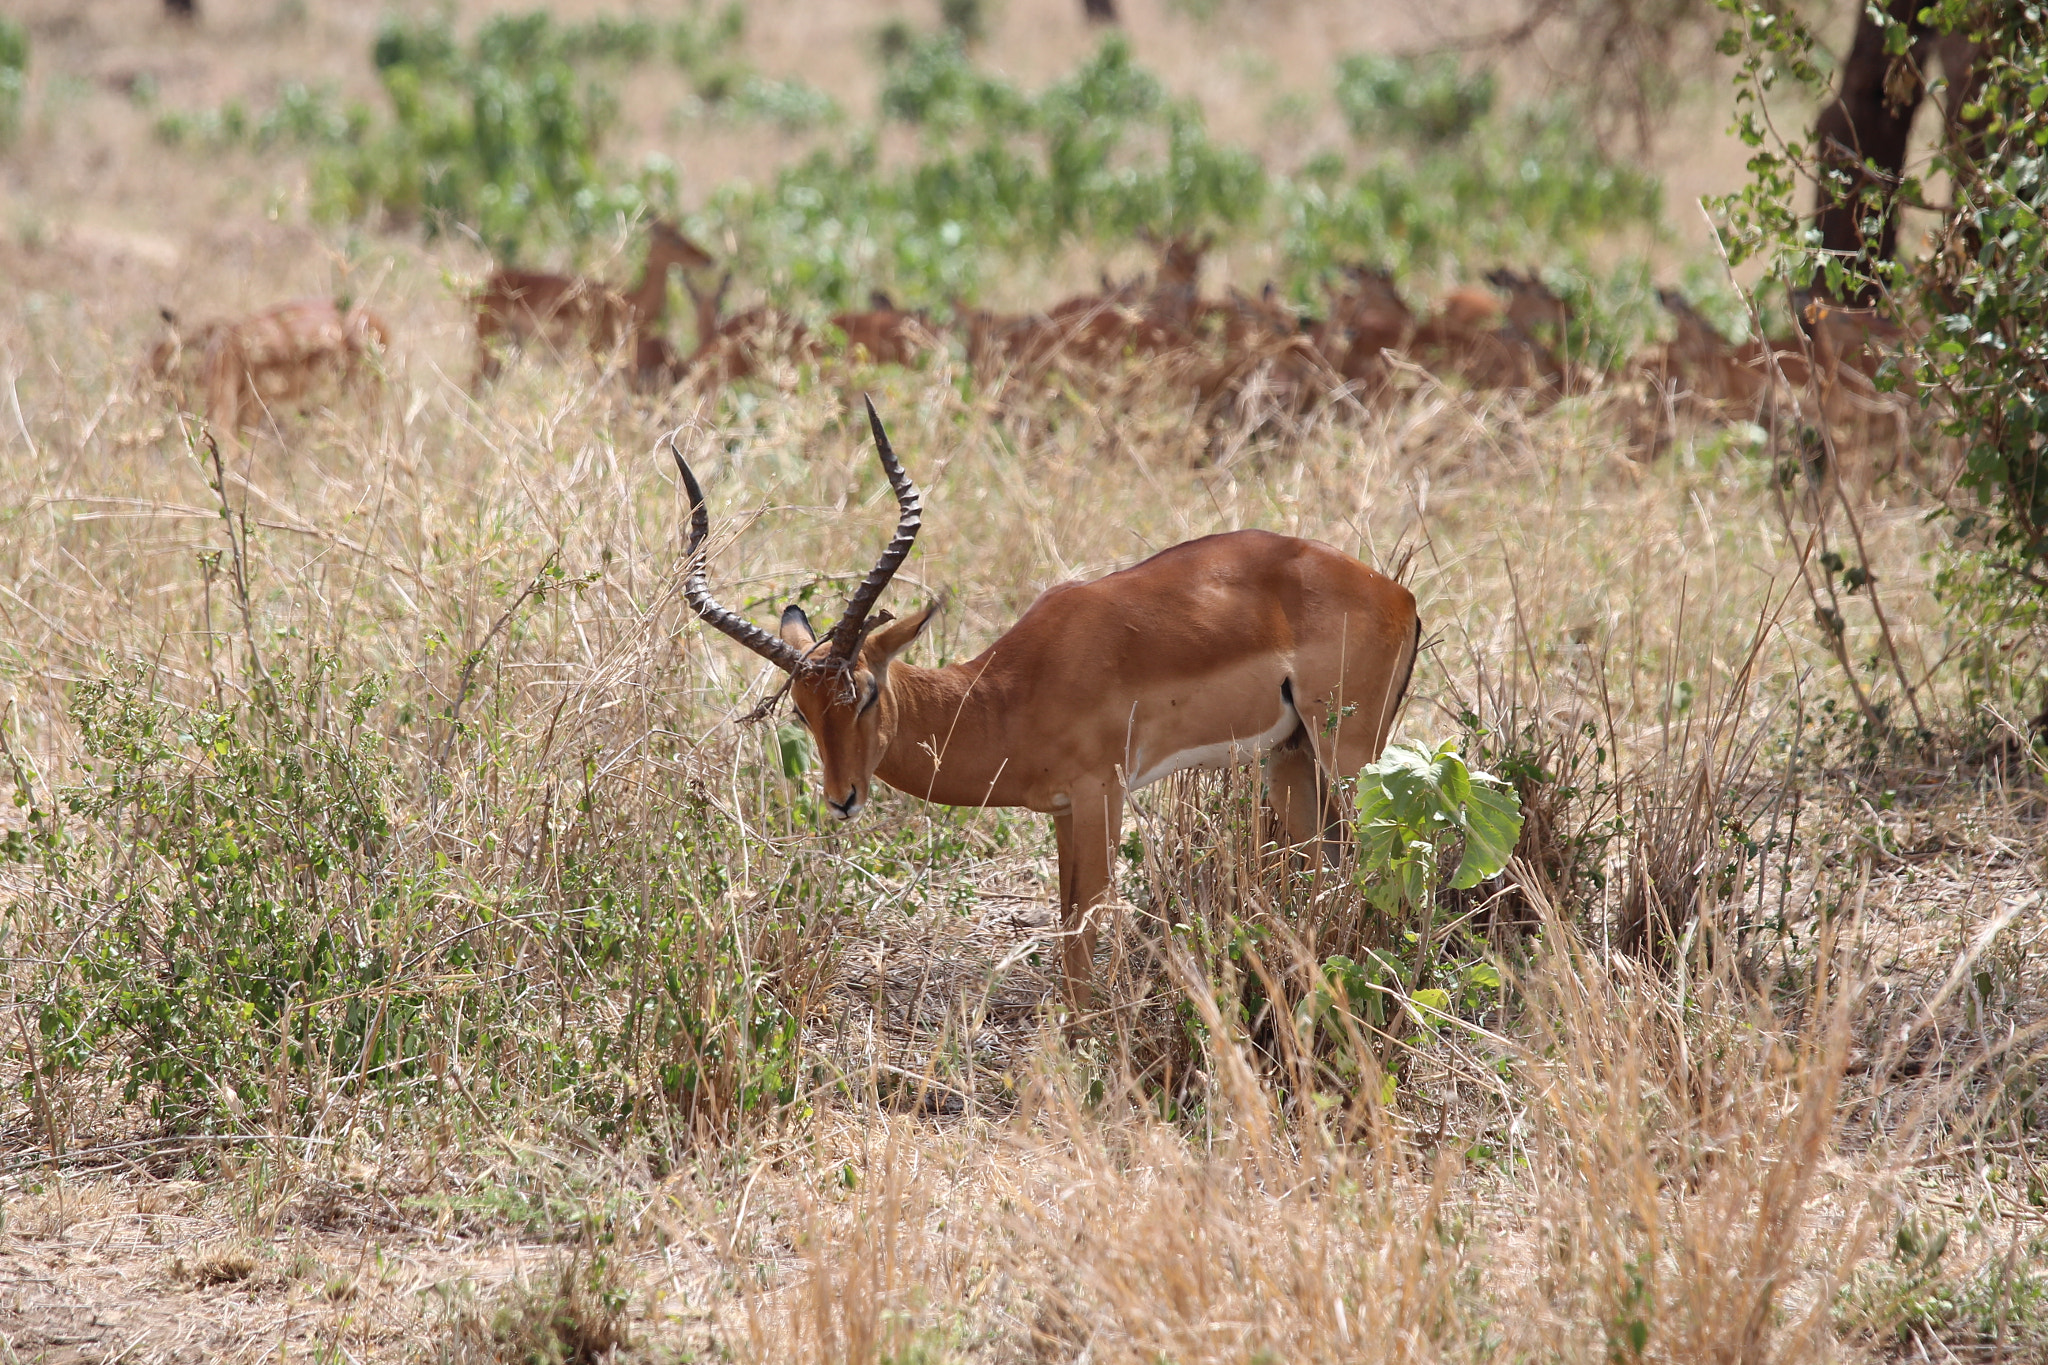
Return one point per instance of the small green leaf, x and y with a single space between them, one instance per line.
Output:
793 748
1482 976
1433 1003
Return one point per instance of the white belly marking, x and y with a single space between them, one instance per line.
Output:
1224 754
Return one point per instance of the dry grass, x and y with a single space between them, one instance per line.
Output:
1741 1145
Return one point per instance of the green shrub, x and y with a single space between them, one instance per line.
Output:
227 894
790 105
1981 360
1464 183
967 18
936 85
13 75
502 138
1918 1294
304 116
1985 295
1096 156
232 929
1427 100
703 46
1997 627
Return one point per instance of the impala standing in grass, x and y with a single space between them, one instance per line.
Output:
1213 652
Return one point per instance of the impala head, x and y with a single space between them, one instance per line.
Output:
669 240
838 681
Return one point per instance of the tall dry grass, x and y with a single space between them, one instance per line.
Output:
619 1045
1660 1155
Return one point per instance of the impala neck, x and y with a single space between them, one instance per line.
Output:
649 298
949 744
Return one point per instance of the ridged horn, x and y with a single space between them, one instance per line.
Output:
773 648
846 635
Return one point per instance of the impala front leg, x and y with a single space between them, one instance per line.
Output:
1088 832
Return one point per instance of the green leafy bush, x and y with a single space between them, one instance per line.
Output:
230 925
1426 100
1985 296
1413 804
1416 807
1447 177
1918 1293
13 75
304 116
228 894
703 46
1096 156
502 137
1979 356
790 105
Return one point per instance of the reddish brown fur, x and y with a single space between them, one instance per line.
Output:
736 348
1176 286
1823 375
1490 344
1367 319
570 313
1195 651
1207 654
885 334
269 359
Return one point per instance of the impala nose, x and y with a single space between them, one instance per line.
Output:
844 810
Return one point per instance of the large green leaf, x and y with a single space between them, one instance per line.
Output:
1415 795
1492 819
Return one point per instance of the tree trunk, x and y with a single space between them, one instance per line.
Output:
1864 133
1861 138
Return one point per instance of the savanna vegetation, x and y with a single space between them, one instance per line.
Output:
414 950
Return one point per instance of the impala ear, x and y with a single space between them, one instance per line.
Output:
886 642
796 629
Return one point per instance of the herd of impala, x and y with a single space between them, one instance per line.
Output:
1245 357
1233 648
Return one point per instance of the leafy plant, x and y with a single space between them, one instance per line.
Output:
790 105
1980 357
1098 155
703 45
1416 807
1428 100
1919 1293
502 137
1998 637
13 75
1446 177
304 116
233 915
1413 805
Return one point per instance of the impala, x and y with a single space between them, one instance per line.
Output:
884 333
517 306
1491 344
270 359
1213 652
1368 318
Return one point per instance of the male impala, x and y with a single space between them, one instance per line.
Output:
1211 652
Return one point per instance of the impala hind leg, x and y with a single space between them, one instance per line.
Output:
1299 813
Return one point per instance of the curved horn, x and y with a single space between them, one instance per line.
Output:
847 634
773 648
